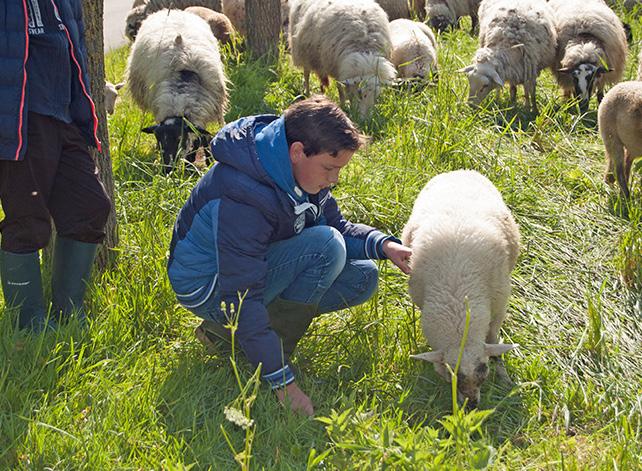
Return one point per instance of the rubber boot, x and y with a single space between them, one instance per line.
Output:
290 320
22 288
72 262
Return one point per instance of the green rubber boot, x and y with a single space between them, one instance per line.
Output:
72 262
22 288
290 320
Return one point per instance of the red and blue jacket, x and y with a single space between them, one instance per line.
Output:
14 85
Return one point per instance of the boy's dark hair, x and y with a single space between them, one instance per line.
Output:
321 126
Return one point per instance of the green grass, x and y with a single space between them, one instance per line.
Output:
135 390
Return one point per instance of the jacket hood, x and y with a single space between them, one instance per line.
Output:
257 146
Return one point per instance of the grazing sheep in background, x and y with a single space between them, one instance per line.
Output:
444 14
219 23
140 12
620 123
414 48
174 70
403 8
348 40
591 48
111 93
465 244
235 11
517 40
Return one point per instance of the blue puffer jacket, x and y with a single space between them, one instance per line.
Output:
14 48
247 201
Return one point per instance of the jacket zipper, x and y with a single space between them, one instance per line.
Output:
24 81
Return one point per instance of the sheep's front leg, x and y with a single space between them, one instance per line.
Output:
529 91
342 94
615 163
513 93
499 306
306 81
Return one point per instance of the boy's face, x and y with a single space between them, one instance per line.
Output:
315 172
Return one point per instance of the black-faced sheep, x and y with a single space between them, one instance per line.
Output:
174 70
414 48
517 40
348 40
465 244
591 48
444 14
620 122
220 24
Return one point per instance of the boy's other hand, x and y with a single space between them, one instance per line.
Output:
293 397
398 254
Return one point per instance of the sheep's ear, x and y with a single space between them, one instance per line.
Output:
602 70
496 349
119 85
436 356
149 129
564 70
496 78
467 69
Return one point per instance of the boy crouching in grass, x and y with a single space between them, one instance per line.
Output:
262 225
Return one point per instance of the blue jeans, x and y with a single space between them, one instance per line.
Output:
310 268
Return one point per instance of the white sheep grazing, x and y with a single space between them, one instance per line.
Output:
620 123
414 48
403 8
220 24
141 10
348 40
175 71
517 40
444 14
465 244
235 11
111 93
591 48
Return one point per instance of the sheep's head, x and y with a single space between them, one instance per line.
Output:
482 78
441 17
584 77
369 74
176 135
420 67
473 368
134 19
111 94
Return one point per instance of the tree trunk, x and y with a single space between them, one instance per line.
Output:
263 24
93 19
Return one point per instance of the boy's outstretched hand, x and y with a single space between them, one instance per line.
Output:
398 254
293 397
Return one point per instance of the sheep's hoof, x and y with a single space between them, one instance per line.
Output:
609 178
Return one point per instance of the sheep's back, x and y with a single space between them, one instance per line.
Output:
323 31
575 19
157 64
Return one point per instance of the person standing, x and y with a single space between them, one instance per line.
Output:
47 122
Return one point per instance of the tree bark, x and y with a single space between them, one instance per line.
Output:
263 24
93 19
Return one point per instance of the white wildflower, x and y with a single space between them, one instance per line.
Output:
236 417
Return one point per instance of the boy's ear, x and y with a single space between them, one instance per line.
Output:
296 151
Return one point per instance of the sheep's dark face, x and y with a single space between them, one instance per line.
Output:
584 78
176 135
470 380
441 23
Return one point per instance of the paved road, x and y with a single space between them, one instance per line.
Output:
114 22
